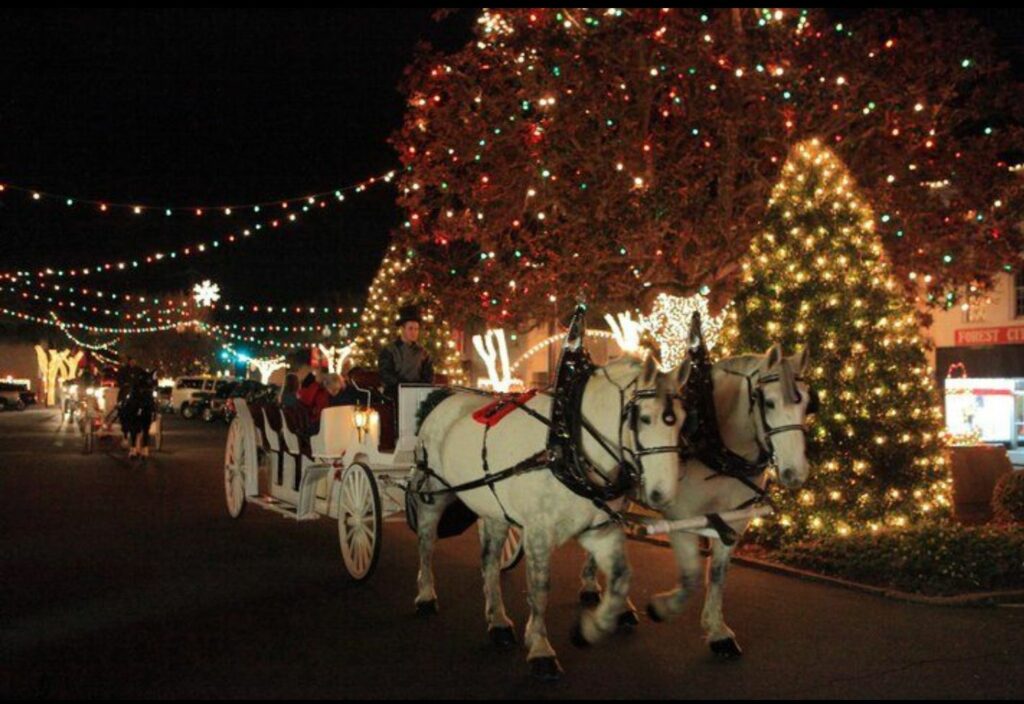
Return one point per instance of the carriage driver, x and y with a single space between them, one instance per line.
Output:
404 361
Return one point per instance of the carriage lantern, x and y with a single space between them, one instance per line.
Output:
361 420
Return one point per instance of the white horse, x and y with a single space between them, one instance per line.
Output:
761 406
637 411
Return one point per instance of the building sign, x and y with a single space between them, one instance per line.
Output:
991 336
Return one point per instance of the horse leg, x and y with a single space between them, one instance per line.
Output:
492 539
667 605
542 659
719 636
590 592
607 546
428 515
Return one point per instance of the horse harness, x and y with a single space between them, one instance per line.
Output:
564 455
702 439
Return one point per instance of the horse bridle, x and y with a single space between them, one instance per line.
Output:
629 415
758 398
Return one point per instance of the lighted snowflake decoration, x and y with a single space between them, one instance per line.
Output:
206 293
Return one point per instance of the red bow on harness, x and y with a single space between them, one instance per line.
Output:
493 412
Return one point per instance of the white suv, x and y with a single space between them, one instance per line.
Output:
190 389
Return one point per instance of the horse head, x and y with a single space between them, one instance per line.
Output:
655 416
782 401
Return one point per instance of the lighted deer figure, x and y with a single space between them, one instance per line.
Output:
493 350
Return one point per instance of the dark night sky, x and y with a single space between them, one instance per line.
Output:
208 107
188 107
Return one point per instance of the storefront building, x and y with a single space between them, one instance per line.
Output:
979 365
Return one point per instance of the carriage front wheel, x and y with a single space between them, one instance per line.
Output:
235 465
360 524
512 550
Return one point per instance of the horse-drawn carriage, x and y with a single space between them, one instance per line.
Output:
559 465
353 469
94 412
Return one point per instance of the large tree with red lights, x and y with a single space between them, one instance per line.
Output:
613 152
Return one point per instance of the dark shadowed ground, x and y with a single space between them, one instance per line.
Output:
120 581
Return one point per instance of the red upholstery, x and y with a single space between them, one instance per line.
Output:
298 423
369 379
256 409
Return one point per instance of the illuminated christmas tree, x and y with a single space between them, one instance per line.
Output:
816 276
377 328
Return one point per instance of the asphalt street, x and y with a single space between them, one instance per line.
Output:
126 580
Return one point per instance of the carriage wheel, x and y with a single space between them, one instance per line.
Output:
512 550
234 470
360 524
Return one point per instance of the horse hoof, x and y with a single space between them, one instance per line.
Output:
726 648
426 608
546 669
576 636
503 636
629 620
653 613
588 598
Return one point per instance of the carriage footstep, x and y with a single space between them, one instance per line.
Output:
546 669
629 620
590 598
727 648
426 608
503 636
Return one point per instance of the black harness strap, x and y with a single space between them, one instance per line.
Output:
532 463
487 470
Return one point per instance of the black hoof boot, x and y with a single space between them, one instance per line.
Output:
588 598
654 614
503 636
628 620
426 608
727 649
546 669
576 637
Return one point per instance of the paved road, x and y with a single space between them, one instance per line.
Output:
119 580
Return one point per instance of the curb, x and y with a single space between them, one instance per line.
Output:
972 599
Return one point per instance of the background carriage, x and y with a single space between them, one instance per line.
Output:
94 412
354 470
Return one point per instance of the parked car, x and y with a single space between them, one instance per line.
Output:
190 393
11 397
252 391
216 404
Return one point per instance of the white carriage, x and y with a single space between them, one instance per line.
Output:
341 473
94 412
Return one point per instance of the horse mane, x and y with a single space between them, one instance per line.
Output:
622 370
746 363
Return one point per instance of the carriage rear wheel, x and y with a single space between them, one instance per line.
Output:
512 551
360 523
235 462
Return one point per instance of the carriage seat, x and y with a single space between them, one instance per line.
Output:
257 410
369 380
296 431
